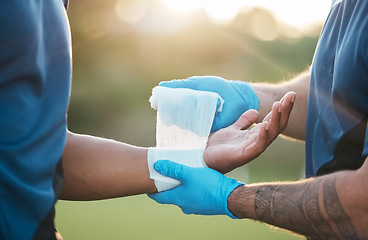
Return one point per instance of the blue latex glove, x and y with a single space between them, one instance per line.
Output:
202 191
238 95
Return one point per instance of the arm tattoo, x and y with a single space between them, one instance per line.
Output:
313 210
336 211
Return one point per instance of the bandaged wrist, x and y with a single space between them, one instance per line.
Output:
184 120
188 157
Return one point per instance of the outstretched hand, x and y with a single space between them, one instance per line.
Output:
235 145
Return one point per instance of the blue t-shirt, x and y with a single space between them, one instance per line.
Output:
338 98
35 76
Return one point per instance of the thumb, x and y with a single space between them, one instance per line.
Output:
170 169
245 120
162 197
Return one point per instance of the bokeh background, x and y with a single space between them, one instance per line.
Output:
123 48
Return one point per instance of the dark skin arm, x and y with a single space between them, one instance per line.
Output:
97 168
333 206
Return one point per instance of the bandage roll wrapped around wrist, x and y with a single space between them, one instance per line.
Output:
184 120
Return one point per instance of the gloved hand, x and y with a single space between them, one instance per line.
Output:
202 191
239 96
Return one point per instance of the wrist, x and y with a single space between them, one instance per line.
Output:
241 202
232 202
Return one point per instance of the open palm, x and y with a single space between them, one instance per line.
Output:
239 144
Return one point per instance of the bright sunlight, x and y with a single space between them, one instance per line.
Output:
294 13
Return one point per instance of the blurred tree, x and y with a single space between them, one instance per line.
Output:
117 62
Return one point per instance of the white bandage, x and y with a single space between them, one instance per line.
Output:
184 120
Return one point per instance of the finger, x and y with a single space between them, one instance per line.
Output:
175 84
274 122
245 120
287 105
260 143
289 95
170 169
268 117
263 136
275 111
280 114
163 197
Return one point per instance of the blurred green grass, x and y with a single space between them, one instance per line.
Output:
138 217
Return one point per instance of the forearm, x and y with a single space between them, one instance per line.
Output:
329 207
270 93
97 168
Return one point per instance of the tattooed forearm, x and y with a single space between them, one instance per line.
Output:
313 213
290 208
336 212
312 209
